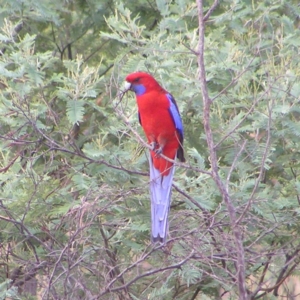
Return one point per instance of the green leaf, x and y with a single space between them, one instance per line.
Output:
75 111
197 156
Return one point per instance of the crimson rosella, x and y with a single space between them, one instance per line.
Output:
159 116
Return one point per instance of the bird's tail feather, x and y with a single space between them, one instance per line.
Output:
160 193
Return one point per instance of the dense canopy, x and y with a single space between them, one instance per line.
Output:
74 199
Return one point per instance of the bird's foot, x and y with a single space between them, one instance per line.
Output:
158 151
152 145
156 148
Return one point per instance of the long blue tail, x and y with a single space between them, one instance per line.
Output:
160 194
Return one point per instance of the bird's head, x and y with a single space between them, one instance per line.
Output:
140 83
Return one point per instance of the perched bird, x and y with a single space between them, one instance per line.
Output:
159 116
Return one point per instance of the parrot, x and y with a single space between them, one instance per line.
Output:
160 119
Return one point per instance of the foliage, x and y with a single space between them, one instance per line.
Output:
74 210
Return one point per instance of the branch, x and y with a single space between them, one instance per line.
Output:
95 51
160 270
211 9
190 198
240 260
53 145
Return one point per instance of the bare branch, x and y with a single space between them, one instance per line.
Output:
174 266
240 263
211 9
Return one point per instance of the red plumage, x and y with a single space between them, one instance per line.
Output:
156 120
159 117
159 127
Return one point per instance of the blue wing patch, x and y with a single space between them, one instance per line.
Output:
173 109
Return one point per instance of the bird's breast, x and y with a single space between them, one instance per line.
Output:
155 116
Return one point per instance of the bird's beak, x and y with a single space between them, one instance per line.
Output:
127 86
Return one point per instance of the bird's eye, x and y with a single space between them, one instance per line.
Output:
136 80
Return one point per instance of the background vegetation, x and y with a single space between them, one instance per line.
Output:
74 207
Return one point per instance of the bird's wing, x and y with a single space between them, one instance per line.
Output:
174 112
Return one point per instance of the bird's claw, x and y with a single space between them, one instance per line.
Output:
156 148
152 145
158 151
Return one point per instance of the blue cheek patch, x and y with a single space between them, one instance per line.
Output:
139 89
